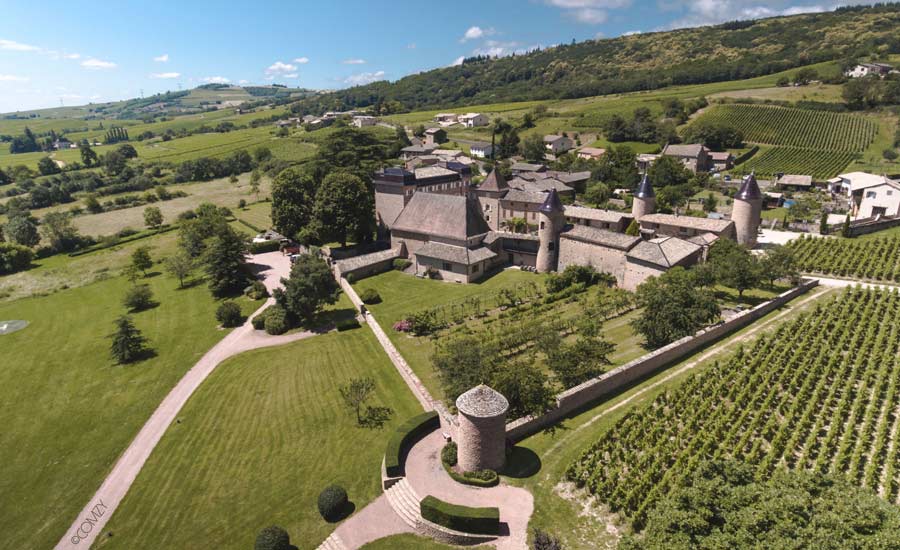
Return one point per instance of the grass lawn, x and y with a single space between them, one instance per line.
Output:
258 442
402 294
68 412
258 214
774 213
412 542
540 461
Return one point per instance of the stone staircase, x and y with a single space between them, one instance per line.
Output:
405 503
333 542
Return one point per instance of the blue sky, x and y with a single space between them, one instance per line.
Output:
78 52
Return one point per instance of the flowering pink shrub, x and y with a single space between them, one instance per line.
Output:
402 326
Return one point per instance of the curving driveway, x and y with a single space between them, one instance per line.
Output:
270 268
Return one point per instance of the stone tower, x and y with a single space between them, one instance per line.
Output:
481 436
551 221
489 193
644 200
746 211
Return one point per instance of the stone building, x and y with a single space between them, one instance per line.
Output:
644 200
747 211
481 431
551 221
695 157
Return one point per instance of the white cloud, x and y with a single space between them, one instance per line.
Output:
496 48
243 81
13 78
215 80
590 12
302 60
711 12
630 33
354 61
364 78
14 46
165 75
72 55
291 75
475 32
458 61
161 58
280 68
97 64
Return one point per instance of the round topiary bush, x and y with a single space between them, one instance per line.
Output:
256 291
272 538
276 320
229 314
332 502
448 454
259 322
370 296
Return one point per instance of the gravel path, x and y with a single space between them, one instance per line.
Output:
270 267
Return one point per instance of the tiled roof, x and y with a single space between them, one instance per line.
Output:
456 254
703 224
645 190
704 239
493 236
602 237
692 150
351 264
450 216
527 167
532 197
749 189
482 402
551 203
584 213
433 172
794 179
664 251
494 182
541 185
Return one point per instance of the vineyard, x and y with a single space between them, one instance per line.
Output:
793 160
820 393
805 128
875 259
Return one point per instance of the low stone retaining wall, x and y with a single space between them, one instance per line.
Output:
583 394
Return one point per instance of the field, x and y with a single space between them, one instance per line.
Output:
819 164
258 214
68 411
819 393
875 258
258 442
813 92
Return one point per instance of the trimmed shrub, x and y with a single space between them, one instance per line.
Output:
265 246
259 322
272 538
370 296
332 501
404 435
138 298
256 291
276 320
483 521
400 264
448 454
481 478
228 314
347 324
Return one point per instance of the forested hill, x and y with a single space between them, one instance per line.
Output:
729 51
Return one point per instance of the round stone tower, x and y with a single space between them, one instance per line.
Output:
644 200
481 436
551 221
746 212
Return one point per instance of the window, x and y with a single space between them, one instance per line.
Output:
889 193
551 246
475 268
447 267
487 218
683 229
542 224
870 194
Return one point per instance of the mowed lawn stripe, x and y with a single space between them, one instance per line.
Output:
257 443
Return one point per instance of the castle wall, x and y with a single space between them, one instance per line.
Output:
601 258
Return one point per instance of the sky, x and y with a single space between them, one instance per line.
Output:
56 53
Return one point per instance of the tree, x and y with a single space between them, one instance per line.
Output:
668 171
255 178
180 265
4 178
141 259
153 217
778 263
47 167
228 314
127 150
805 75
115 163
597 194
533 148
579 361
88 156
845 230
356 393
633 229
293 200
57 229
273 538
138 298
310 286
618 168
92 204
734 266
22 229
673 306
194 232
402 138
128 344
823 223
224 262
344 208
710 203
14 257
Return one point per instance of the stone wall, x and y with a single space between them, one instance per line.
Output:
602 258
636 272
590 391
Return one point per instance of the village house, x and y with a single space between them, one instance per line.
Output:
446 118
481 149
435 136
472 120
364 120
867 69
543 185
519 168
413 151
695 157
721 161
794 182
591 153
558 144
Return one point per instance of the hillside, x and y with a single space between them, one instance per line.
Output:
730 51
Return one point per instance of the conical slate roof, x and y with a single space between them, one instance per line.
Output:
551 203
645 189
482 402
494 182
749 190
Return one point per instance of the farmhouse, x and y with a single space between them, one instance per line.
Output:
558 144
364 120
877 200
472 120
481 149
591 153
447 118
721 161
794 182
867 69
435 136
695 157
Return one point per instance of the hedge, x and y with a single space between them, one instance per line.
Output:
483 478
482 521
746 155
347 324
265 246
111 243
405 434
